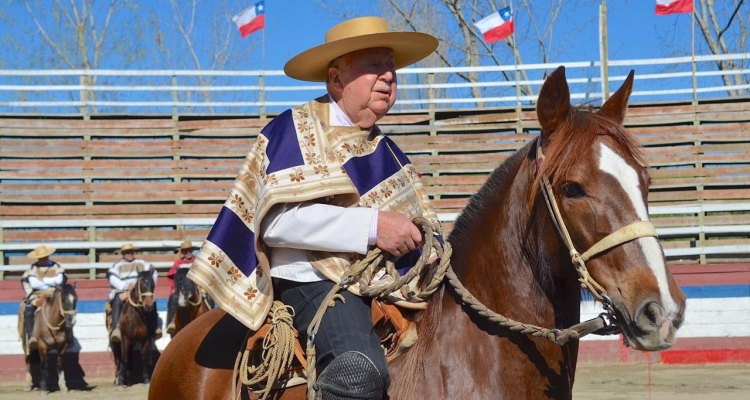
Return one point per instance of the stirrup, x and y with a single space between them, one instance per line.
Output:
31 344
115 336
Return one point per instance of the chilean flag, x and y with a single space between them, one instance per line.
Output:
666 7
496 26
251 19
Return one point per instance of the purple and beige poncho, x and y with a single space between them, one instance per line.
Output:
299 157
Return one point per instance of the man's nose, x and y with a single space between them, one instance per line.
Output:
388 76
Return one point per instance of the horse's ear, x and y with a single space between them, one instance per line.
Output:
554 102
617 105
74 284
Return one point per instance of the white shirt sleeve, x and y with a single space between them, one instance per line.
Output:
36 284
57 280
115 280
322 227
156 273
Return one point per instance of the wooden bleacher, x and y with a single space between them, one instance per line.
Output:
89 185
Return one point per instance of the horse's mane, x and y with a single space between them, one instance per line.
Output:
64 289
493 186
68 289
180 278
429 319
578 131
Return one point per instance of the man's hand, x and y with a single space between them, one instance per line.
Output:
131 286
397 234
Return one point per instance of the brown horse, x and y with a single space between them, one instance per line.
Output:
137 324
191 302
53 329
512 255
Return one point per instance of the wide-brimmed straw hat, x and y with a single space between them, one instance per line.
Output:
41 252
126 247
359 34
186 245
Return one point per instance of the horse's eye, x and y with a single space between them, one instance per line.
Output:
574 190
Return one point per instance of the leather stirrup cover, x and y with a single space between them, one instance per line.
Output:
351 375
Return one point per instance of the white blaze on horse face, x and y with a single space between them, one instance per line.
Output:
611 163
182 300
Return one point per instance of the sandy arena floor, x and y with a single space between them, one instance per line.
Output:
611 382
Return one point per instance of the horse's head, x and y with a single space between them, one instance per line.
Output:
187 290
68 301
144 290
599 181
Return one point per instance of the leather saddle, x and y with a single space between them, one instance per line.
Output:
397 334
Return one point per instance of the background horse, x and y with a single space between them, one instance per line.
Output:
191 303
53 328
509 254
137 324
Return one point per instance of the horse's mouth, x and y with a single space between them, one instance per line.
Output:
647 330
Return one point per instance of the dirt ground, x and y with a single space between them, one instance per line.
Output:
611 382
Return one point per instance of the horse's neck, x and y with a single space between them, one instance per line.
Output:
510 257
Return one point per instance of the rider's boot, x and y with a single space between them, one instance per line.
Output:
156 321
171 304
351 375
28 322
116 336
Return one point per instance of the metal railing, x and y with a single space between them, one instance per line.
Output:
169 244
184 92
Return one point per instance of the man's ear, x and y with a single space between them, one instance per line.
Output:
334 79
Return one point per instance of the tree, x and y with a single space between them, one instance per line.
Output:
72 35
93 35
724 28
195 39
461 44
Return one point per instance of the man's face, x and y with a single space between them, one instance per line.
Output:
128 255
187 253
367 83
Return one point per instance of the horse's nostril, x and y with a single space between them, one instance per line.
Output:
651 314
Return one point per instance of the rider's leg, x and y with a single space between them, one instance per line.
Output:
116 304
156 323
348 351
171 305
28 323
210 301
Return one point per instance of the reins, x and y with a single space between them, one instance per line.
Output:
363 270
140 296
625 234
376 260
63 313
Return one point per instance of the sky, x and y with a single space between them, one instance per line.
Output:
292 26
635 32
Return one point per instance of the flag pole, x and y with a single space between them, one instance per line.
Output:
261 78
519 128
692 55
604 50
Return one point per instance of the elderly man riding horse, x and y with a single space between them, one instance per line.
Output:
321 185
122 277
43 276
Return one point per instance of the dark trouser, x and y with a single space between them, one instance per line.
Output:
171 305
116 304
210 301
347 326
28 319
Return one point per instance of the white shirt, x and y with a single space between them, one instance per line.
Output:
292 229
